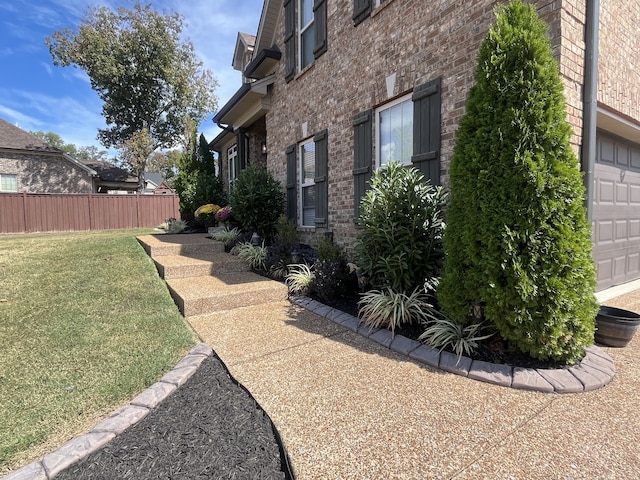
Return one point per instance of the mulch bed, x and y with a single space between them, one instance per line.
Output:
493 350
209 428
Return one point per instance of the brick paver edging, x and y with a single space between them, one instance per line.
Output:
82 446
594 371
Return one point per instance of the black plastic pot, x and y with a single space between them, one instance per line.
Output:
615 327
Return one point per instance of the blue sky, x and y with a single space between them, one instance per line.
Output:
36 95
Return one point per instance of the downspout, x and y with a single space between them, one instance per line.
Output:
589 125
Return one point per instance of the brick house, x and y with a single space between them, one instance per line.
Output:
30 165
333 89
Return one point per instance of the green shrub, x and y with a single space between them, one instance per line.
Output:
257 201
328 250
517 236
402 225
200 188
286 231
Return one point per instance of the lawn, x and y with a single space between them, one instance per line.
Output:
86 324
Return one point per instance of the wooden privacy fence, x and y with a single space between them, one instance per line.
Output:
34 212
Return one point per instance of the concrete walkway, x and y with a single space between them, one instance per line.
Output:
348 407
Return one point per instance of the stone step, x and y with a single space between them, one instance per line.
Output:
225 291
198 265
179 244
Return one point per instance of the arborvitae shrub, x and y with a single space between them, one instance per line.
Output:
517 238
400 245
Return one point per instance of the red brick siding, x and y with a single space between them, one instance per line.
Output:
417 40
45 173
619 57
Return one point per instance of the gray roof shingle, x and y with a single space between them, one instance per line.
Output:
15 138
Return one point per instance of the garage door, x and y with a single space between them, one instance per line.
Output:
616 211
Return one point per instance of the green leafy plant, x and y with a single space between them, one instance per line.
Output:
391 309
402 226
286 231
299 279
517 237
443 333
226 236
328 250
257 200
254 254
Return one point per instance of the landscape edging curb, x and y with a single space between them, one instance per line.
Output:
594 371
82 446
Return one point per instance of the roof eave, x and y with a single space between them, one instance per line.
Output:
264 63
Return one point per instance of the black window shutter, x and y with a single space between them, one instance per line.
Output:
289 39
427 100
362 157
361 10
320 25
321 178
292 194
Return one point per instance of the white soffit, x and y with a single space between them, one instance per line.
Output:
618 125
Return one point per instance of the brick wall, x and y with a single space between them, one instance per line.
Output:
619 59
417 41
45 173
257 133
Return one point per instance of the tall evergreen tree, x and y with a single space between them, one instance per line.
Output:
517 238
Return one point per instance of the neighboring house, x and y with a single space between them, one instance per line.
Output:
30 165
154 184
336 88
111 179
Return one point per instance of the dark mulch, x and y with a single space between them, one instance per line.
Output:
494 349
210 428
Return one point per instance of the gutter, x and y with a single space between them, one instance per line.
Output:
242 91
589 126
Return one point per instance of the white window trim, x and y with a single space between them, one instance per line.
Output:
9 175
302 29
386 106
232 155
302 184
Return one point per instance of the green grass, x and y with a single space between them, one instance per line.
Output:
85 324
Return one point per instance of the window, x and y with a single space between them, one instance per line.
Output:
394 132
307 33
8 183
232 161
307 184
417 143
